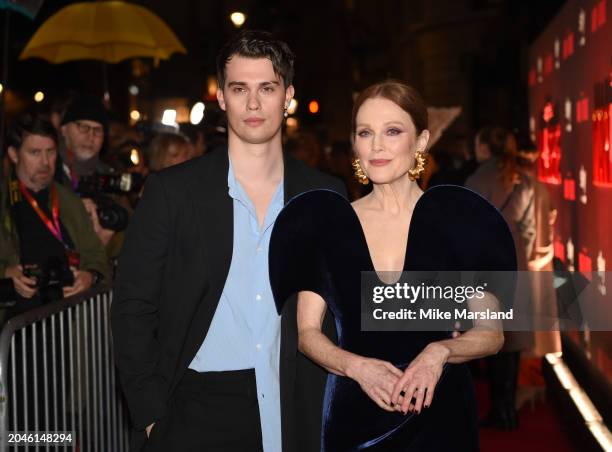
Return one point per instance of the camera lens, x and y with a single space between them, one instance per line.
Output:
113 217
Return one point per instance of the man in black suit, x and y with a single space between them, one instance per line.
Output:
205 362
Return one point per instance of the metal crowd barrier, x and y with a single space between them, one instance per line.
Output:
57 374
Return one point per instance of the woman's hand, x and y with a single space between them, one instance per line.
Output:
377 379
420 378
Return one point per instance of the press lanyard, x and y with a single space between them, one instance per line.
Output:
52 225
74 179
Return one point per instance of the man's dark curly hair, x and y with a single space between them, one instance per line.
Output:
257 44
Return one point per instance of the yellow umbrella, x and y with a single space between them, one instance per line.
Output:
108 31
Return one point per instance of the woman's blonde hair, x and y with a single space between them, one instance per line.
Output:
159 147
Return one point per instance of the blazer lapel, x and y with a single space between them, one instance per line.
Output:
295 181
215 211
215 215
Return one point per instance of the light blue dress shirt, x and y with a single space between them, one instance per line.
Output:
245 330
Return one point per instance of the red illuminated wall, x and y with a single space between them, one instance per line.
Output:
570 95
570 98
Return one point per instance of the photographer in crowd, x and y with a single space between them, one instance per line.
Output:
47 244
84 128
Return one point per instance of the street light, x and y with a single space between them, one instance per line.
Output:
39 96
1 88
169 117
313 107
238 19
134 156
197 113
135 115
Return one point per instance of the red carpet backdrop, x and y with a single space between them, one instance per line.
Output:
570 98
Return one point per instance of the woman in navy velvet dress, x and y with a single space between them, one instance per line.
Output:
395 391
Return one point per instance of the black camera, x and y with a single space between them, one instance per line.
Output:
51 277
110 214
90 186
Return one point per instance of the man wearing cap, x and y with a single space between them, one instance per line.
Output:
84 127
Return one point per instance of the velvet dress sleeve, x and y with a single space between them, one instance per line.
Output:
301 235
455 229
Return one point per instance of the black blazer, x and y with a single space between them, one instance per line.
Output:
171 275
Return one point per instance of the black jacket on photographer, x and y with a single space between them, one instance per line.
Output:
24 238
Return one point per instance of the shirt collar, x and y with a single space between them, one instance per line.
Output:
236 192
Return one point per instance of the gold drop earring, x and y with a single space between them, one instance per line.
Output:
359 174
285 113
415 173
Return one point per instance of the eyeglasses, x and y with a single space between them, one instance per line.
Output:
86 128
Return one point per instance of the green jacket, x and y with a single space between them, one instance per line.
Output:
75 219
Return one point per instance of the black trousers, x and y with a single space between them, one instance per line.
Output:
210 411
